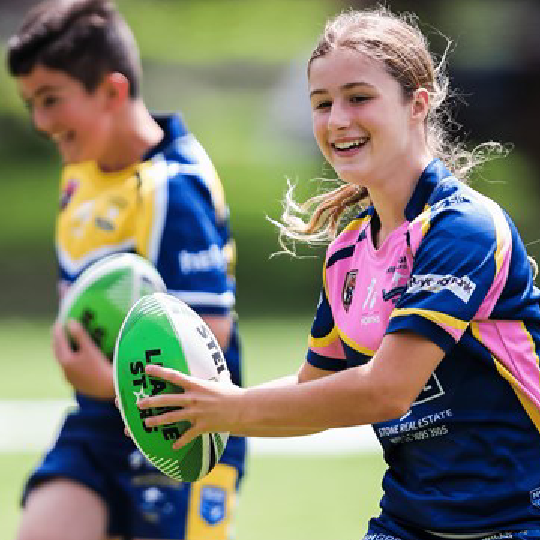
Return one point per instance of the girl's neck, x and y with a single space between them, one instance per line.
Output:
391 198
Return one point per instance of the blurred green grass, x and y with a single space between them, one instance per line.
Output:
286 496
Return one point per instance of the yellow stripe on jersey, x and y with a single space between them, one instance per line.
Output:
476 331
503 236
425 216
502 230
353 345
528 405
324 341
425 219
531 343
152 177
435 316
229 252
356 224
222 477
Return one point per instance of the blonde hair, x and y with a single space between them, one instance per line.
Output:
397 42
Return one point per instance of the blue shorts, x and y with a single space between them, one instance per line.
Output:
142 502
384 528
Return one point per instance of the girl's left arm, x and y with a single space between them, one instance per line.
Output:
382 389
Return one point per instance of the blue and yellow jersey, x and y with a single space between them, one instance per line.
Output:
465 456
171 209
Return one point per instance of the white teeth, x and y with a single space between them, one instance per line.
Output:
349 144
59 137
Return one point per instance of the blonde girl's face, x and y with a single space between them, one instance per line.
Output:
361 122
77 121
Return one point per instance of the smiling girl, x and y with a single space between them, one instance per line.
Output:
428 323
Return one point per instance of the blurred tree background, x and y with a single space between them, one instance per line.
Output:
236 71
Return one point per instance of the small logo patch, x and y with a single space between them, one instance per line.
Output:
348 288
433 389
535 497
212 507
67 192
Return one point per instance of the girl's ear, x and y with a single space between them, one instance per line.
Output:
420 104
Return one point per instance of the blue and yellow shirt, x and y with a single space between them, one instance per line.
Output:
171 209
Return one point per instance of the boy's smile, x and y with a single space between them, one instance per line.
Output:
76 120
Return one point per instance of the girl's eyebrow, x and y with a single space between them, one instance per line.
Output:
347 86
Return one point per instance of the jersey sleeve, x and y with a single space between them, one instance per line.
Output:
461 255
180 232
325 349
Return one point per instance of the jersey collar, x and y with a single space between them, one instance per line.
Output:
428 181
173 127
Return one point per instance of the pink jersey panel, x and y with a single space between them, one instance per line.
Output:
503 256
370 276
512 345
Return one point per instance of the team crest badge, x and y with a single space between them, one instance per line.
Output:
213 501
348 288
67 192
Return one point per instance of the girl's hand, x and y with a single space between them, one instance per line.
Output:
209 406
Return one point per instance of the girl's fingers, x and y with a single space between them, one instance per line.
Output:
167 374
185 438
164 400
166 418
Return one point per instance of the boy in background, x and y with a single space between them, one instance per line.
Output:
130 182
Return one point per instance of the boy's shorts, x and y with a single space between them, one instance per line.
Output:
142 502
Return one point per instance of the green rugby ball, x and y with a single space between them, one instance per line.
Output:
160 329
102 295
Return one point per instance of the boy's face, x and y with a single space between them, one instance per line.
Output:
77 121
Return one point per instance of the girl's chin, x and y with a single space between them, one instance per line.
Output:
352 174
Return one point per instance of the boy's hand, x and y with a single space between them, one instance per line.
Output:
87 369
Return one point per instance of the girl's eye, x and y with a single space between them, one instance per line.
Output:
358 99
322 105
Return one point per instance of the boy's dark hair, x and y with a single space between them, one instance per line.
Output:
86 39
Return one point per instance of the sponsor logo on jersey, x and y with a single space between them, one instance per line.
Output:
107 220
462 287
67 192
433 389
393 294
449 201
348 288
202 261
371 295
212 506
400 277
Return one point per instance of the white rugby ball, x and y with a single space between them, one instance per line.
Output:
102 295
163 330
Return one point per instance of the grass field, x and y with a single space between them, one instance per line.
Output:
284 496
